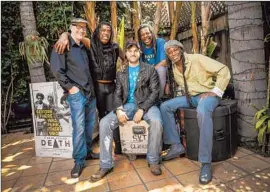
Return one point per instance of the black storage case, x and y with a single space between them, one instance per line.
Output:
225 131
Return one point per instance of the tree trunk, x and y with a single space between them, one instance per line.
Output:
157 17
89 10
247 60
136 17
114 19
28 21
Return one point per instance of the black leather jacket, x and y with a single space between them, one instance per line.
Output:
147 89
105 69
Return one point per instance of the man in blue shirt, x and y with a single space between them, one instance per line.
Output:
136 92
72 72
153 53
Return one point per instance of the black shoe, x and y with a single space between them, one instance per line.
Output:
102 172
175 151
92 155
76 171
206 173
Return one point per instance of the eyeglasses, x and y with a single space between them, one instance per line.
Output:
80 27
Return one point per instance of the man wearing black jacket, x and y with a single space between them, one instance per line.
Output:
72 72
136 92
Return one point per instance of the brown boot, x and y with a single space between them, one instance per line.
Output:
155 169
101 173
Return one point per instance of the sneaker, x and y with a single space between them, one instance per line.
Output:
206 173
76 171
92 155
155 169
101 173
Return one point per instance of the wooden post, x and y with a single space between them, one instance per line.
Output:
114 19
205 16
195 48
175 20
157 17
136 17
89 10
171 11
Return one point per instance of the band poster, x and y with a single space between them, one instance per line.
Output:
51 120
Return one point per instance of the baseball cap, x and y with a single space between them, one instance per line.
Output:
131 43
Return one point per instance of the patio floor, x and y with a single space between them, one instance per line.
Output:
23 171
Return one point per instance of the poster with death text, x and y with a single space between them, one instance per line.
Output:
51 120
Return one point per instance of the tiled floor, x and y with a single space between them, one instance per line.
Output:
23 171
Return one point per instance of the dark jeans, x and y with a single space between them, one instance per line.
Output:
105 104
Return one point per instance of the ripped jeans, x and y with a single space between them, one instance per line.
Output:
110 122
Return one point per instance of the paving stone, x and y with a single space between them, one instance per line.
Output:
123 165
139 163
250 164
86 185
39 160
267 159
36 169
7 185
181 166
62 165
10 173
226 172
147 176
191 180
137 188
248 183
123 180
58 188
264 176
60 177
29 183
168 184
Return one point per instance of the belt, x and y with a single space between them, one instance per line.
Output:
104 81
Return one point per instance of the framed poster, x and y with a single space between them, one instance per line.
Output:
51 120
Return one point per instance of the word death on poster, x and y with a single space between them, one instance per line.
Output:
52 120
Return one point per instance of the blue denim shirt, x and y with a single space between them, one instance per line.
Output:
72 68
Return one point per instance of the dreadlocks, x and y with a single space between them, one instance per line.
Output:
153 39
97 46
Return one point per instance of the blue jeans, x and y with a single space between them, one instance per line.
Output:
205 108
110 122
83 114
162 73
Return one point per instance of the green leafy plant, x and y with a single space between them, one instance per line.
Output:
34 48
262 118
211 47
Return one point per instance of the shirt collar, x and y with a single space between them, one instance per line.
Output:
74 44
